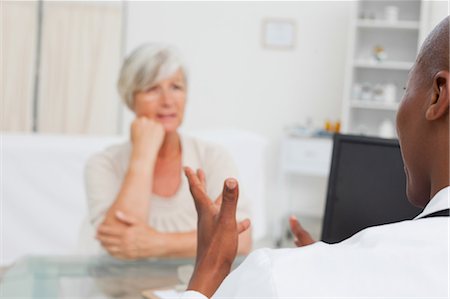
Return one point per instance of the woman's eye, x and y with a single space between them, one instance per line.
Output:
177 87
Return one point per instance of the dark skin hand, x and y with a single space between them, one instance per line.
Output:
217 236
301 236
218 232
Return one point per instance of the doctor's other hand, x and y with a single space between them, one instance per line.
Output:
218 232
301 236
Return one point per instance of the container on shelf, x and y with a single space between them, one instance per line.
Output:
391 13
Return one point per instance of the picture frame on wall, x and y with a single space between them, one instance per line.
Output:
278 33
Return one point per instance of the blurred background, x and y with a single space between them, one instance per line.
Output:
288 72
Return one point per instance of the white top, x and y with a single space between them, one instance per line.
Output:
105 172
401 260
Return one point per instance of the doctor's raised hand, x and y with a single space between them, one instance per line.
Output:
218 231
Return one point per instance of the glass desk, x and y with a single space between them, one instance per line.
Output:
89 277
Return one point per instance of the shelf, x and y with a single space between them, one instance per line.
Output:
385 65
359 104
382 24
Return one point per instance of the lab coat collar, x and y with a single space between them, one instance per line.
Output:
440 201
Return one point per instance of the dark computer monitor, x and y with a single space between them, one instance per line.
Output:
366 187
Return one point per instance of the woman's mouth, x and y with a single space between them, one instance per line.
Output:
166 116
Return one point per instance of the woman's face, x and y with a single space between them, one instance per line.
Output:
164 102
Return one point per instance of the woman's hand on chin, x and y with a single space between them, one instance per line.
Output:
147 137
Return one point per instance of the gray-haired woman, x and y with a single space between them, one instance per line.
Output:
139 201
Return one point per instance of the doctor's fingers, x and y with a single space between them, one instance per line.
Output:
218 201
302 236
295 226
202 177
198 193
243 225
230 197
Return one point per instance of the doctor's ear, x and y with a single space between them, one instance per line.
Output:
439 105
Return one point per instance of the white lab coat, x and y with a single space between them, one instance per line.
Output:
407 259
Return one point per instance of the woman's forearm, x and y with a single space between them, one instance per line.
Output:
133 198
185 244
180 244
134 194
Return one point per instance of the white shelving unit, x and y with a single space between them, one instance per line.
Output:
359 104
401 25
400 38
385 65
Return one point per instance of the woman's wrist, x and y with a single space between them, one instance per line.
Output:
179 244
142 163
143 151
156 245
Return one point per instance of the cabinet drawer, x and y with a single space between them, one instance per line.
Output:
310 156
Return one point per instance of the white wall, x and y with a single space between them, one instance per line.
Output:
438 10
254 88
234 81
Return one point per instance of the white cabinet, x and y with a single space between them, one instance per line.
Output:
305 164
306 156
382 48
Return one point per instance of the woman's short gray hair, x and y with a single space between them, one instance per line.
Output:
144 67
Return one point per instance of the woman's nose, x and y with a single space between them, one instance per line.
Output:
166 98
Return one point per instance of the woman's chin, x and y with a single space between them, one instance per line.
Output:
170 128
